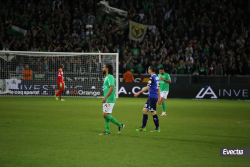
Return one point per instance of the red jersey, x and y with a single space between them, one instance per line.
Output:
60 76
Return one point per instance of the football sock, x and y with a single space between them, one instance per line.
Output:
144 120
112 119
163 106
106 121
60 95
156 120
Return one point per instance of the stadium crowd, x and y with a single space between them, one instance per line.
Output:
197 37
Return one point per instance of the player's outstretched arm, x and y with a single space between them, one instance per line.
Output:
108 94
143 90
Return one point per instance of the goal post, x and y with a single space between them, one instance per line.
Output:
26 73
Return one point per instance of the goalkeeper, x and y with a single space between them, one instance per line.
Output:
60 83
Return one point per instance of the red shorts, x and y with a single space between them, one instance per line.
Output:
62 85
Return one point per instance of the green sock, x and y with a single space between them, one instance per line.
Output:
106 121
163 106
112 119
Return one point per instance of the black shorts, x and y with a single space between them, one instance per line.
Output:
151 104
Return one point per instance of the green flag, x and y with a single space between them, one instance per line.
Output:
17 31
115 14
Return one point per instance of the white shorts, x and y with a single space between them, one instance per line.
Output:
108 107
164 94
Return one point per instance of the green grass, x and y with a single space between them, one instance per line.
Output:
43 132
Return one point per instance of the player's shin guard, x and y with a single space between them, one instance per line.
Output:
107 125
156 121
144 120
163 106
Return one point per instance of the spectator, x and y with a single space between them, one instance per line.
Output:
119 33
132 67
146 64
241 69
74 34
91 18
196 74
124 66
206 50
128 76
167 66
248 67
174 69
207 70
32 64
134 51
190 48
152 27
189 67
67 68
56 4
218 70
19 68
46 66
233 71
121 69
202 57
27 73
40 68
225 71
159 65
190 58
173 28
196 56
240 41
202 70
154 64
181 67
139 69
211 70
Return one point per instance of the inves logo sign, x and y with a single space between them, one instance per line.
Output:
208 91
241 93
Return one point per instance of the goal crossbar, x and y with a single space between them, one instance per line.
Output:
55 53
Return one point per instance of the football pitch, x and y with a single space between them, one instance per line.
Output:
43 132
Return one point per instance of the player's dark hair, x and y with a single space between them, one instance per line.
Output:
161 68
152 68
61 65
109 66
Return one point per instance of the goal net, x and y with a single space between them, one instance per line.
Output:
35 73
